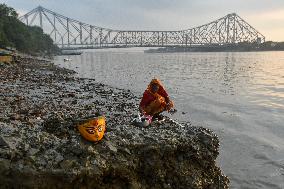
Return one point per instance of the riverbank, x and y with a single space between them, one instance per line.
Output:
41 147
239 47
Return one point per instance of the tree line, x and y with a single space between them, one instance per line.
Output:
27 39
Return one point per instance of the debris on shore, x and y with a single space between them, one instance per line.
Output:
40 146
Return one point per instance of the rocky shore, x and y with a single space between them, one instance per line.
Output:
40 147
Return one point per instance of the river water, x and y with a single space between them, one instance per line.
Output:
238 95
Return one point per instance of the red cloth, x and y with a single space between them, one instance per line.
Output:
148 96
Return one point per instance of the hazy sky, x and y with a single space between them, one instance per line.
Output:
267 16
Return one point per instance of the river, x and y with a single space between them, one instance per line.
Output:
238 95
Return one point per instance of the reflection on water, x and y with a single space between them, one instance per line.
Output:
239 95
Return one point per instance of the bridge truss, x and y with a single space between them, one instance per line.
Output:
67 32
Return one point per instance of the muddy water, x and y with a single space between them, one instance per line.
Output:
239 95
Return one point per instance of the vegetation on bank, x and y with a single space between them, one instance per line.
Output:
239 47
27 39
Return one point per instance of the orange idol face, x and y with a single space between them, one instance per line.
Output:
94 129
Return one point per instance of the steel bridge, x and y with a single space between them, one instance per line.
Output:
69 33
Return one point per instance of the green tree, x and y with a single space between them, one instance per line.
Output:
28 39
7 11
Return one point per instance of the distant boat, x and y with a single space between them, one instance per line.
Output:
71 53
67 59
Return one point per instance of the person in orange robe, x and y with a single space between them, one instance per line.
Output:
155 99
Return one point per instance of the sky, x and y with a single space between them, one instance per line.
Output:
266 16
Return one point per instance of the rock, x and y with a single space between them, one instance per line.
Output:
41 162
127 151
3 144
26 147
71 95
32 159
15 117
68 164
92 150
111 146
